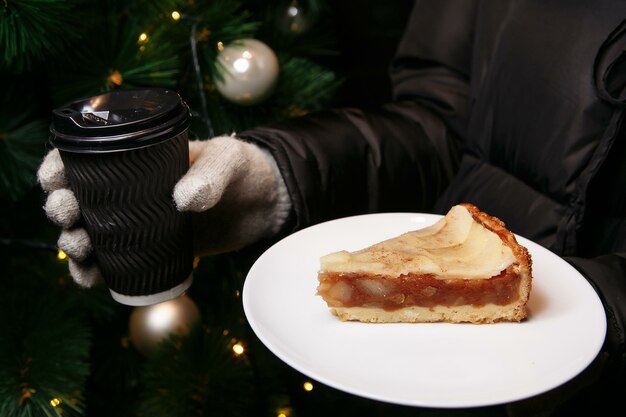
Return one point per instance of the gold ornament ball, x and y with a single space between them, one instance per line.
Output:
150 325
250 70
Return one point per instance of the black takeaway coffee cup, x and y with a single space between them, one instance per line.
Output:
123 153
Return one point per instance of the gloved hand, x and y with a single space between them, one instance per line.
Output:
234 189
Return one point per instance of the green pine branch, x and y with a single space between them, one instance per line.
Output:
21 150
26 25
120 54
304 87
197 375
22 142
44 350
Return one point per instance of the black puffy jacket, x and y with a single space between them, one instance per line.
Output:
515 106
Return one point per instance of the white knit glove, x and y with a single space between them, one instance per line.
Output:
233 188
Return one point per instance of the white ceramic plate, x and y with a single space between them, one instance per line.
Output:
430 364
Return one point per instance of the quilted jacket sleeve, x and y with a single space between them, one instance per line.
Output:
399 157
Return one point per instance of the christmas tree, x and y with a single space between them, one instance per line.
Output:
75 352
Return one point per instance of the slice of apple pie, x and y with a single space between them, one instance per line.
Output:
467 267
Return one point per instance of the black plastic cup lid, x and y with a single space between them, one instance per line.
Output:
119 120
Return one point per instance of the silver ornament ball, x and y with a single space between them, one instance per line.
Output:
150 325
250 70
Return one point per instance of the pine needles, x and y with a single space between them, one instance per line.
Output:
25 28
22 146
192 375
44 360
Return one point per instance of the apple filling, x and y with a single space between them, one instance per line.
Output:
424 290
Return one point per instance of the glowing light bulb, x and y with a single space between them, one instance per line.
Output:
55 402
175 15
283 412
308 386
61 256
143 38
238 349
115 77
220 46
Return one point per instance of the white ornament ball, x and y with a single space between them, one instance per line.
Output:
150 325
249 72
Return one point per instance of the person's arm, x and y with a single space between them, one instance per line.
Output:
400 157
